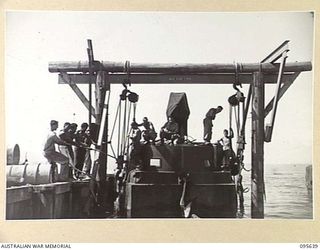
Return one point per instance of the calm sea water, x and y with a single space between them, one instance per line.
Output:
286 194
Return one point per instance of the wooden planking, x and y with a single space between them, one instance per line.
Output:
176 78
83 66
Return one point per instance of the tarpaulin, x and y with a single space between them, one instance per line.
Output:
178 109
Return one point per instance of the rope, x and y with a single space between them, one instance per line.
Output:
128 128
124 127
119 128
128 144
115 121
236 119
134 111
230 117
112 149
243 133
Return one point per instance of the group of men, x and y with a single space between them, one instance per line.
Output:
73 152
74 146
170 133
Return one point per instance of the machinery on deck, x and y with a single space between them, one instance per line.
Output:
178 180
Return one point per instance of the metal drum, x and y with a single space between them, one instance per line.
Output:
13 155
41 173
15 175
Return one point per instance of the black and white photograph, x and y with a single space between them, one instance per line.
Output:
121 115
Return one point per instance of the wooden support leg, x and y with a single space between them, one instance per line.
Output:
257 180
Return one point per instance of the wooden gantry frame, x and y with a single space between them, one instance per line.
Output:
269 71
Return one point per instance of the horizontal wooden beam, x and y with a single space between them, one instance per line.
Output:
119 67
176 79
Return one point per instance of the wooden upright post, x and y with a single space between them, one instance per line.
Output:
98 95
257 157
103 134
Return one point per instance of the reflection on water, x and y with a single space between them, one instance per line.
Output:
286 193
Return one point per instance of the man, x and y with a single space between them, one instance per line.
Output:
225 141
169 131
68 136
135 154
81 137
64 135
149 133
87 158
207 123
51 154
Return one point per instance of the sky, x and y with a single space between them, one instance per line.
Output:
34 97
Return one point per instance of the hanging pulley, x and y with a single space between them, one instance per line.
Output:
132 96
238 97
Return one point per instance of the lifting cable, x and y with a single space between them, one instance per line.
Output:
123 119
119 127
123 134
115 121
128 131
235 101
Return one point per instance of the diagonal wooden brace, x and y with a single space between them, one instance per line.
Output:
65 77
277 53
286 85
270 125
